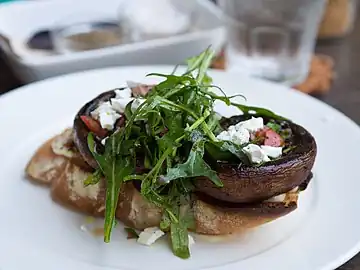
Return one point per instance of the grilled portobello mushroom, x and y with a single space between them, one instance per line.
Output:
242 184
248 183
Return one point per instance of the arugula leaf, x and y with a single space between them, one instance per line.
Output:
226 150
165 222
119 169
180 240
194 166
265 112
114 169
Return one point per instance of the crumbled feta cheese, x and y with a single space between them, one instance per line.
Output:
237 135
271 151
119 105
232 128
103 108
224 136
255 153
252 124
149 236
108 119
137 102
124 93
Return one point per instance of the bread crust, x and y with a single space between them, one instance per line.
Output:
135 211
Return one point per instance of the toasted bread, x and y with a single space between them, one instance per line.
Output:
69 191
45 166
212 217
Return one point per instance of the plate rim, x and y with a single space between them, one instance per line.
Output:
17 91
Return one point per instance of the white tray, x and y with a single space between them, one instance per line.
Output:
19 20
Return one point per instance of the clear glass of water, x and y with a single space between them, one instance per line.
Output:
272 39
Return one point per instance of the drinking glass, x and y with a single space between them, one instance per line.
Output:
272 39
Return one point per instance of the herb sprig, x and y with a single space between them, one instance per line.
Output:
169 135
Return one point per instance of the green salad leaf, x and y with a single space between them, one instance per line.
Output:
194 166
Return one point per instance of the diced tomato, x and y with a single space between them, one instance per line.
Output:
94 126
268 136
261 133
273 139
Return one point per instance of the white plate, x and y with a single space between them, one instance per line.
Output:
37 234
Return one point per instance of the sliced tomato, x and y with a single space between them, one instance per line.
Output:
94 126
273 139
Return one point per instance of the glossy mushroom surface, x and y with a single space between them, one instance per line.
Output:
247 183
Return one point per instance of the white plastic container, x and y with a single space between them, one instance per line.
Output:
19 20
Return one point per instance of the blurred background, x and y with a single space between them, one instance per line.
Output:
310 45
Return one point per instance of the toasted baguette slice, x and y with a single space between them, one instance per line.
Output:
49 161
67 188
45 165
210 219
134 211
69 191
63 145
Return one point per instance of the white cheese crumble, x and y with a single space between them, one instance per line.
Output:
235 134
108 120
106 115
272 151
253 124
149 236
240 134
119 104
103 107
124 93
255 154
